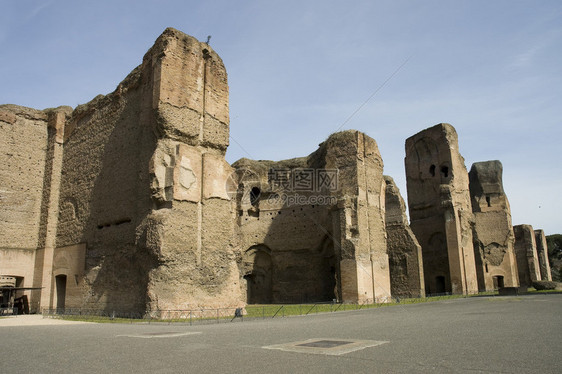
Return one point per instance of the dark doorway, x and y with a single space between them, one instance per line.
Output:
440 284
254 196
258 282
498 282
60 281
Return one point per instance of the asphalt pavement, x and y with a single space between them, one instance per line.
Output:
480 334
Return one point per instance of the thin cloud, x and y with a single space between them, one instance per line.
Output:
38 9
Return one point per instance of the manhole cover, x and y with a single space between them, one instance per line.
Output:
324 344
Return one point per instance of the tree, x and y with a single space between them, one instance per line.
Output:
554 244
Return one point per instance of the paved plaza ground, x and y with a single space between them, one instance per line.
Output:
480 334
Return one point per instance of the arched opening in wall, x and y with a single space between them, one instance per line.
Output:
258 277
488 201
445 171
498 282
425 155
60 282
440 284
328 275
436 264
255 196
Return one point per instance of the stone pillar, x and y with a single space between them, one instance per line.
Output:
359 217
526 255
57 120
542 253
189 176
440 211
493 231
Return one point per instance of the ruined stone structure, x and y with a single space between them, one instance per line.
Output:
329 245
440 210
493 236
404 251
526 255
542 254
127 204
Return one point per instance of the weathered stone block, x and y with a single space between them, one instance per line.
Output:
404 251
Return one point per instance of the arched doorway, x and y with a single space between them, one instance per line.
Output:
258 275
60 282
498 282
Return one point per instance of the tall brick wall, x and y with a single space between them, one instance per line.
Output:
440 210
493 236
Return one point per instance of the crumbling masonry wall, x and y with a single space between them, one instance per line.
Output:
23 141
492 231
526 255
542 254
150 202
328 245
286 247
440 211
404 251
191 225
359 221
30 177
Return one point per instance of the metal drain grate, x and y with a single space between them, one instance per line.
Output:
324 344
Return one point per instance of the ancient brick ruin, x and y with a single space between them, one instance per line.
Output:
542 254
492 232
526 255
404 251
440 210
127 204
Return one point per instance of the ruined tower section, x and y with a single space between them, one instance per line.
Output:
143 182
191 223
542 254
440 210
526 255
404 251
493 236
359 218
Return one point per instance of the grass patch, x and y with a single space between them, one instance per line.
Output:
266 311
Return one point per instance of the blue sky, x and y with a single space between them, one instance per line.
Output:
299 69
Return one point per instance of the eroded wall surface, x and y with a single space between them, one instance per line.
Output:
492 231
542 254
320 243
191 226
286 247
404 251
144 185
440 211
23 140
359 219
526 255
32 154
